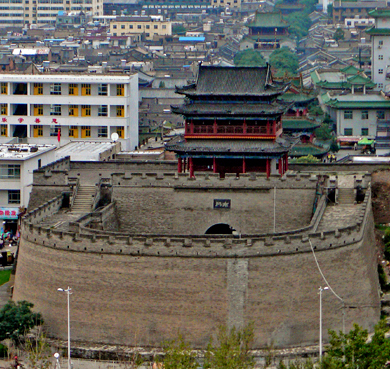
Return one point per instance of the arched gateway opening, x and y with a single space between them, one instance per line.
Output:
220 228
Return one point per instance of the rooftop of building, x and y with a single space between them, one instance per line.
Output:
23 151
357 100
268 20
85 150
225 81
359 4
66 77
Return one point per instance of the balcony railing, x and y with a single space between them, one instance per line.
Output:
232 130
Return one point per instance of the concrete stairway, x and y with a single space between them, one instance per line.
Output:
346 196
84 199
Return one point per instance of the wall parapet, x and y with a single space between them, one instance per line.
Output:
245 246
213 180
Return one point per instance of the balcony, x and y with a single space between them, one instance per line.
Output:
271 129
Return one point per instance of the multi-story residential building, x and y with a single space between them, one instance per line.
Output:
25 12
146 26
226 3
380 46
39 106
350 9
17 163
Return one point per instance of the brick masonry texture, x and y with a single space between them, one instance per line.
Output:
135 288
126 299
190 211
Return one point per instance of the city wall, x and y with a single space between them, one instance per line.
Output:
139 289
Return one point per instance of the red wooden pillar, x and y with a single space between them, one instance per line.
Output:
285 162
281 166
274 127
244 127
179 168
192 126
191 165
215 126
214 165
243 165
268 167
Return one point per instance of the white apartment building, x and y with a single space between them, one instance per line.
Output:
17 163
86 107
19 13
380 49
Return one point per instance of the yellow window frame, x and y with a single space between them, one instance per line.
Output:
4 88
73 89
85 89
38 109
73 110
85 110
3 130
38 130
38 88
121 132
3 109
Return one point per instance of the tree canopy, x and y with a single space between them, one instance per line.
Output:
17 319
355 350
231 349
249 58
339 34
284 61
178 29
179 355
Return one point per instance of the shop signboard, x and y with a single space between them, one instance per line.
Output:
9 213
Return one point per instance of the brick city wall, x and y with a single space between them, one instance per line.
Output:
141 290
166 203
190 210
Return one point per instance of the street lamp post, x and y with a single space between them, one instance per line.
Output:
320 293
68 292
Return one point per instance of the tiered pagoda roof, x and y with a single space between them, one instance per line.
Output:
268 20
259 148
237 81
244 109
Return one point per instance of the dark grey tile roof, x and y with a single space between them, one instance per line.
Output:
281 145
245 81
231 108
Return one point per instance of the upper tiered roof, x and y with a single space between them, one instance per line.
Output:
237 81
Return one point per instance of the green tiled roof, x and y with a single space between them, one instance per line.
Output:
350 69
380 13
360 104
299 124
308 149
378 31
266 37
298 97
268 20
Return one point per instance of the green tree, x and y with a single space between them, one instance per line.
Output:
249 58
38 351
178 355
17 319
305 159
334 147
323 133
354 350
284 61
339 34
178 29
299 23
231 349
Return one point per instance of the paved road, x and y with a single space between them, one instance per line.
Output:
4 296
